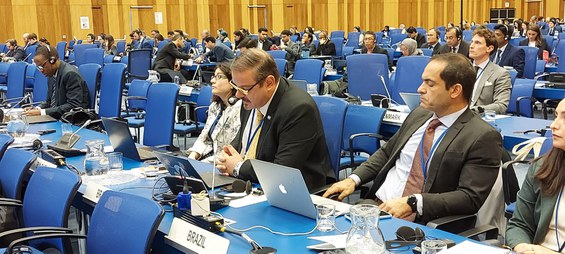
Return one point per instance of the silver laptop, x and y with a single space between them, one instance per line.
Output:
285 188
193 168
412 100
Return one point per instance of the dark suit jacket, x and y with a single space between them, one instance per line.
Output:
166 57
420 39
18 53
378 50
512 56
71 91
326 49
463 49
266 44
461 173
435 49
292 135
143 44
557 28
220 53
541 47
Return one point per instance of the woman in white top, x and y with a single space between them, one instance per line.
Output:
223 120
538 223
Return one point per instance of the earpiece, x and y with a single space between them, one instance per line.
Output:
36 145
233 100
52 58
240 186
506 30
406 236
22 249
458 32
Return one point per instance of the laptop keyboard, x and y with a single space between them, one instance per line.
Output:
340 207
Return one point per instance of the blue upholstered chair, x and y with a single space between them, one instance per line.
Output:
309 70
277 53
365 75
91 74
281 66
200 112
139 62
521 98
408 78
40 86
332 111
111 85
94 55
530 61
160 116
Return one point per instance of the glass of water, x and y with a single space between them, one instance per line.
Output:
326 217
433 246
115 161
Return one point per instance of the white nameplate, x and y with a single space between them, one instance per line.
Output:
190 238
94 192
395 117
185 90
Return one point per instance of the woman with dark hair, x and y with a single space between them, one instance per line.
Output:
237 38
385 31
538 223
517 28
535 40
361 35
524 29
223 120
309 29
109 46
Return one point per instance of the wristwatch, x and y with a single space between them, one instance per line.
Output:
412 200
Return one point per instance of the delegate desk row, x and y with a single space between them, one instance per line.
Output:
247 216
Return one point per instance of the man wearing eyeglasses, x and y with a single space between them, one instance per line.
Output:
433 41
454 42
66 87
280 124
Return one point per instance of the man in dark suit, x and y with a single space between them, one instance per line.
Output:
142 41
263 41
219 52
14 51
370 47
166 60
454 42
507 55
413 34
444 159
433 41
290 133
66 87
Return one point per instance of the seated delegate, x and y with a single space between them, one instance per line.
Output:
538 223
223 121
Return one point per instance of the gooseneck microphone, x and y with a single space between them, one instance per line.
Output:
7 105
256 248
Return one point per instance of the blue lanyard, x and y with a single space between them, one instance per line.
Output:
249 136
434 146
560 247
213 126
482 70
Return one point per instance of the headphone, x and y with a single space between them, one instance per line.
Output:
406 236
52 58
437 33
505 30
458 32
240 186
21 249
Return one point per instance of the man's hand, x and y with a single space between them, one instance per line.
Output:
345 187
525 248
228 160
397 207
32 112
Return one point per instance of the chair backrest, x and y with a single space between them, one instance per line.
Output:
546 146
61 49
515 41
397 38
281 66
30 76
14 165
364 75
5 141
467 35
302 84
549 40
138 88
427 52
337 34
530 61
16 80
294 38
40 86
362 119
309 70
228 44
160 114
4 67
332 112
91 74
47 200
560 51
30 53
161 45
94 55
339 46
111 85
123 223
3 48
139 63
71 44
277 53
522 88
513 74
80 53
108 59
352 39
394 31
409 71
121 46
204 99
379 37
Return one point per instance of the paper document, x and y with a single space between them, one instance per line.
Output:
249 200
468 247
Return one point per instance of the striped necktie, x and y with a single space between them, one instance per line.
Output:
53 101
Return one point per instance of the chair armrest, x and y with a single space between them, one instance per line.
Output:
14 203
136 98
491 232
509 163
45 236
36 230
532 99
353 137
320 191
455 223
10 200
544 106
196 114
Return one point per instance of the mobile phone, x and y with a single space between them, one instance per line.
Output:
48 131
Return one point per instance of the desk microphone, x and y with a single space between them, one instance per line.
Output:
31 104
10 107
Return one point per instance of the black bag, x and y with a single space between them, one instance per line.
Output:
79 116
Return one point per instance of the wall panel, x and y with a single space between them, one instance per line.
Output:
54 19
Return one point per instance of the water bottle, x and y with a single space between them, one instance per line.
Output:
177 80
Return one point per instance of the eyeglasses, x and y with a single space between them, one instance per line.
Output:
245 91
40 67
219 76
